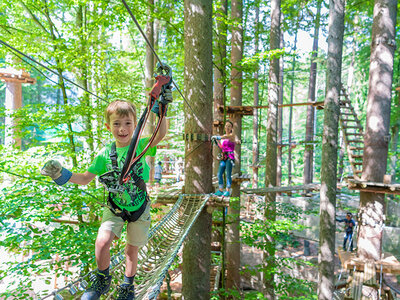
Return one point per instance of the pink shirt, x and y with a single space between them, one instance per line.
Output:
229 147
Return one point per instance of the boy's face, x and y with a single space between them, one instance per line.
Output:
122 129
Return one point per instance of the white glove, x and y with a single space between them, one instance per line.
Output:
52 168
55 170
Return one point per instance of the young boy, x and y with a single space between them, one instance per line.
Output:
121 122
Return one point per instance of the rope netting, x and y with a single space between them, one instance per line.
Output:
155 258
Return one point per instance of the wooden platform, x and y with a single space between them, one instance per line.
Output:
350 261
280 189
248 110
12 75
374 187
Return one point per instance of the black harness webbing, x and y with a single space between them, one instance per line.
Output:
130 216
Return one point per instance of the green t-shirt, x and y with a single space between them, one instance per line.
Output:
102 164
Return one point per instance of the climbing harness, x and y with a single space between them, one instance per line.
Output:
135 192
224 155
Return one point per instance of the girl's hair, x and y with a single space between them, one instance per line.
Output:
121 108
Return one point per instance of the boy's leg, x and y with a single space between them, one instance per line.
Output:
102 281
131 253
137 235
345 241
102 248
110 228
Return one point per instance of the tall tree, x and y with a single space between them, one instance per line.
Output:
291 107
148 76
376 138
309 139
256 99
219 73
329 152
271 159
198 83
233 238
280 118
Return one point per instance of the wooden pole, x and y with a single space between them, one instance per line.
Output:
13 80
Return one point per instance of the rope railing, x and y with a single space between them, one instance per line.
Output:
155 258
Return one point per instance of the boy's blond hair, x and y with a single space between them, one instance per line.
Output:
121 108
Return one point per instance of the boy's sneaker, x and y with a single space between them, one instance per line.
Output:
226 194
218 193
100 286
126 292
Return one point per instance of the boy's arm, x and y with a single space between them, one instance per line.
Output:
61 175
82 178
162 131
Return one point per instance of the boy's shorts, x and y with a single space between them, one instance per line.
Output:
136 232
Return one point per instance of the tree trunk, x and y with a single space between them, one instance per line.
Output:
329 152
271 151
376 138
291 109
82 77
350 75
280 118
309 147
232 240
198 112
256 101
149 79
219 75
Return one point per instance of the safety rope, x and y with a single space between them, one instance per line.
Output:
155 258
156 55
50 70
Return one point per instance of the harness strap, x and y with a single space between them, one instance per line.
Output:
114 157
137 181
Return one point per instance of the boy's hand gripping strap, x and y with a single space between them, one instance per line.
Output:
162 82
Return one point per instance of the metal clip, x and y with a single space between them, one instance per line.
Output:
83 285
72 289
164 69
58 297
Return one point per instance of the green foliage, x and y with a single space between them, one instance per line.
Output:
279 233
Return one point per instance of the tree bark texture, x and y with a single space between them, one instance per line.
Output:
219 74
198 112
149 79
291 109
309 139
280 119
232 236
255 102
376 138
329 152
271 151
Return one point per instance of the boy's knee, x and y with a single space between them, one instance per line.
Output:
103 241
131 250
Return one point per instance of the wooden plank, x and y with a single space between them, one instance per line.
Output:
389 263
374 187
248 110
263 191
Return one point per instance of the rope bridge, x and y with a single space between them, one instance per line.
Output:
155 258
